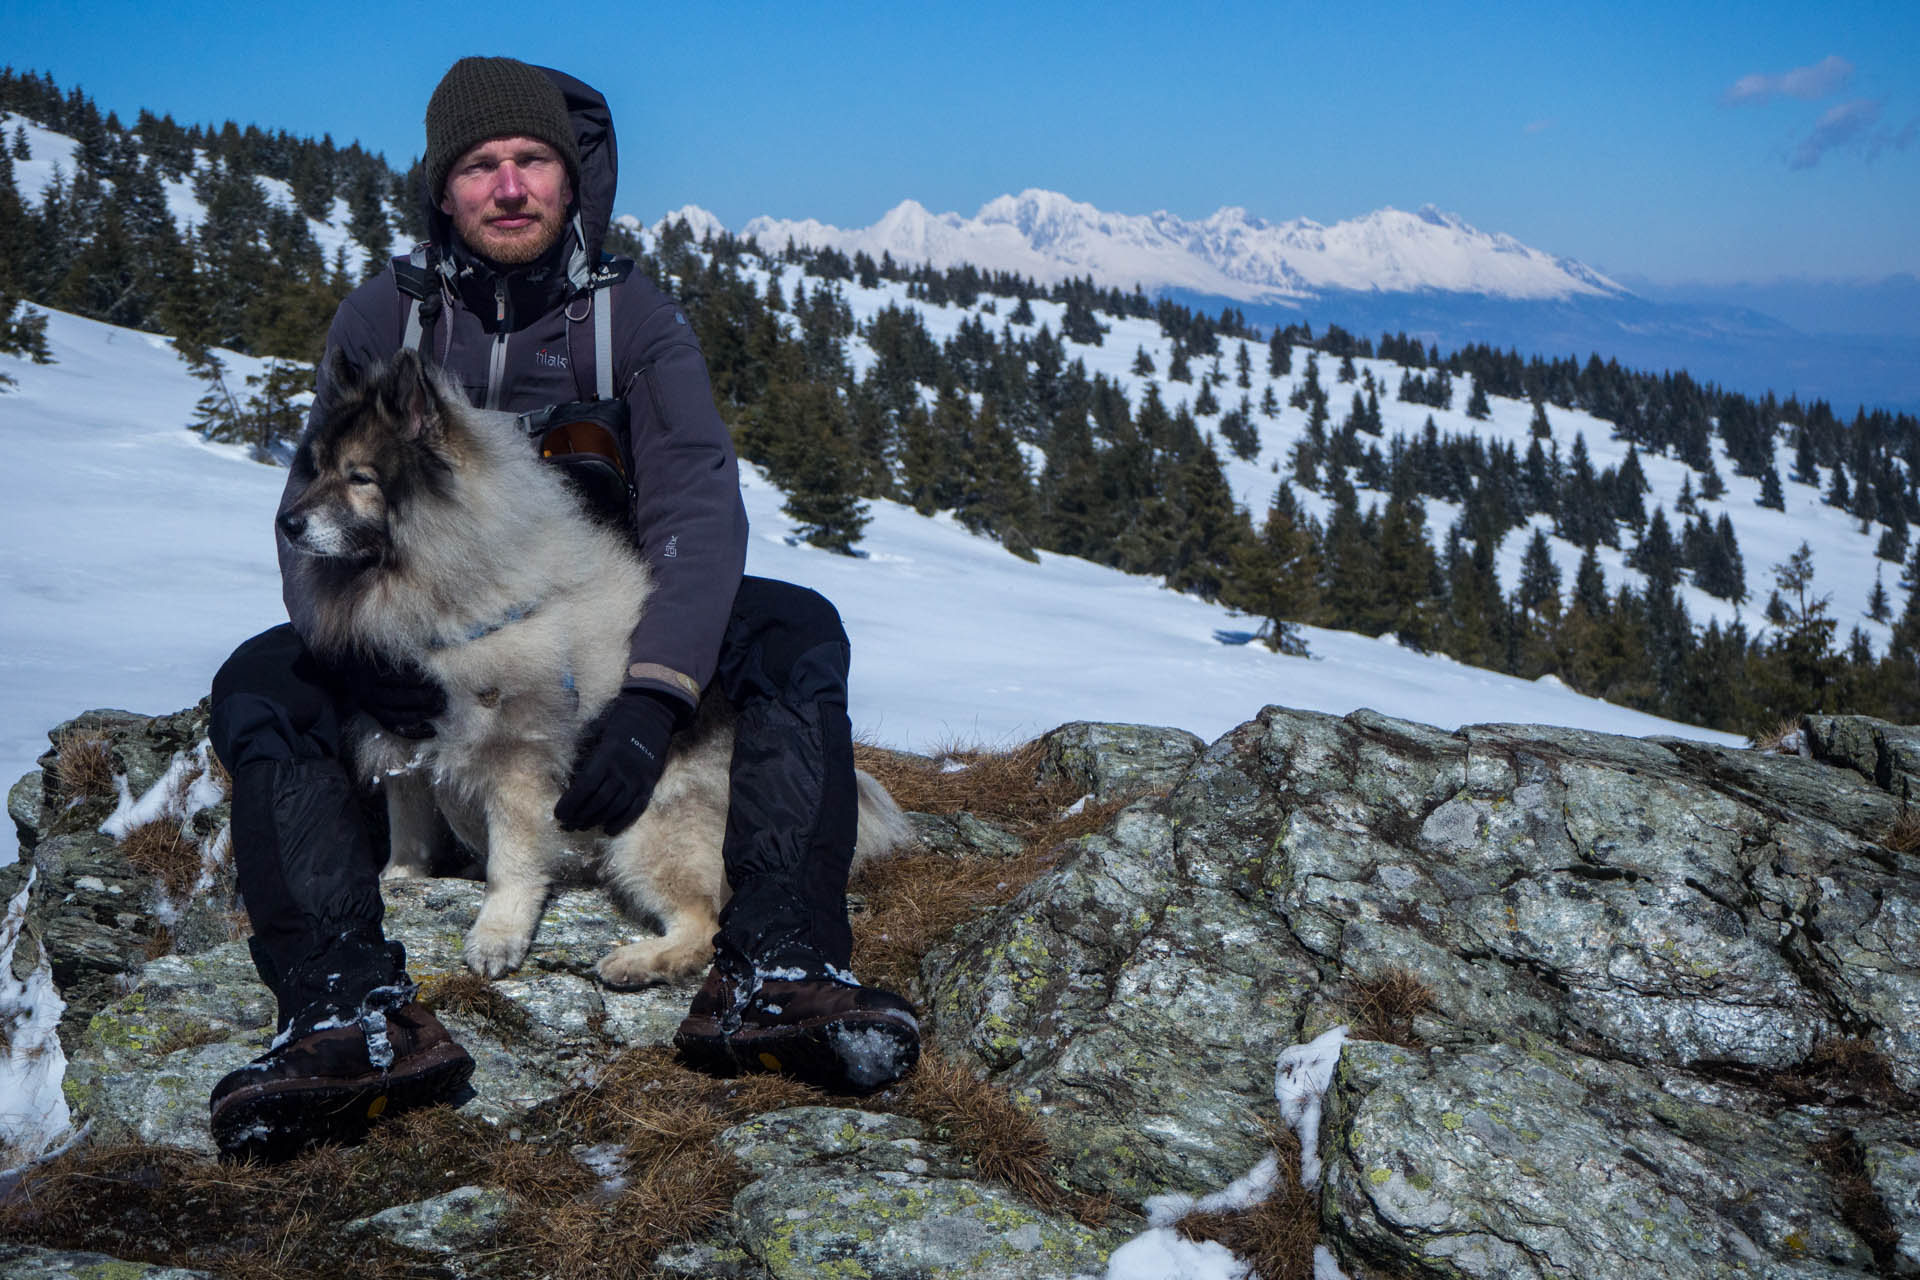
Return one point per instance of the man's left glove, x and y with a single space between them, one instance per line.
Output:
401 696
614 778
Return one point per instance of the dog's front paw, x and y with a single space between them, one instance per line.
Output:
403 871
648 963
493 951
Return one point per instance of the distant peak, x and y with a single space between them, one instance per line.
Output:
1230 252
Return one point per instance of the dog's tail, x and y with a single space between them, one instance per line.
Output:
883 825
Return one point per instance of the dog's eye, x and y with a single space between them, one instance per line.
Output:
360 475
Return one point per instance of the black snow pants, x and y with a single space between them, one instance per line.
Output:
308 863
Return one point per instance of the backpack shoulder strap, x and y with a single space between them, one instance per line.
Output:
611 272
414 276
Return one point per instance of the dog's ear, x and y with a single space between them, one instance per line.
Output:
341 374
414 399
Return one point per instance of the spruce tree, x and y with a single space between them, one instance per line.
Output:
1277 579
1243 368
1240 434
1801 670
1590 585
1279 356
1476 609
1142 363
1477 406
1350 558
1406 597
1878 607
1538 592
1770 494
995 492
1712 487
1838 494
1657 556
1214 534
1539 427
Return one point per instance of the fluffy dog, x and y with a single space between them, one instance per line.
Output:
434 535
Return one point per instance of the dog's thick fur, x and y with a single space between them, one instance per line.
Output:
431 533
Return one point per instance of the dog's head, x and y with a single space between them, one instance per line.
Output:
381 445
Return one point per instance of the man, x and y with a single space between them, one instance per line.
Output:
519 182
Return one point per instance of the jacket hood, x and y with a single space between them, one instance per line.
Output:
593 194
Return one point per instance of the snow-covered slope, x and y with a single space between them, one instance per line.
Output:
52 153
133 557
1230 254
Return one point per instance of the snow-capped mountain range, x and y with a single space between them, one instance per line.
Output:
1229 254
1429 274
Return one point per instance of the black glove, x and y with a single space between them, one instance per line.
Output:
615 776
402 697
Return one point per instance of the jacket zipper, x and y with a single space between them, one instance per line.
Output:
497 362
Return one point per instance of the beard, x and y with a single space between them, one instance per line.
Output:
515 247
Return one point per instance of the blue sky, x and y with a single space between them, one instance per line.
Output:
1675 141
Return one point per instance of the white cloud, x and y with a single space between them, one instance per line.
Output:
1806 83
1850 125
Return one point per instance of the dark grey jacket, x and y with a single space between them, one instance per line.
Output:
691 526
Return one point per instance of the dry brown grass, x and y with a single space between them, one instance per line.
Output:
1904 835
1384 1006
1277 1235
1838 1071
1846 1069
984 1123
678 1184
218 772
173 1207
1860 1207
914 900
998 785
190 1036
1775 740
464 991
83 765
159 943
162 849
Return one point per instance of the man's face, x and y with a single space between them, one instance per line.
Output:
508 198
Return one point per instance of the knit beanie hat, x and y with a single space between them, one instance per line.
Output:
482 98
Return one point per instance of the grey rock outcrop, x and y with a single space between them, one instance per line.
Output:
853 1193
451 1227
24 1262
98 917
1624 942
1666 1009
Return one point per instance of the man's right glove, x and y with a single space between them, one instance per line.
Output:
615 776
402 697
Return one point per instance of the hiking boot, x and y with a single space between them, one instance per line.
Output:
827 1031
331 1085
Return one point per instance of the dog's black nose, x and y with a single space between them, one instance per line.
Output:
292 525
